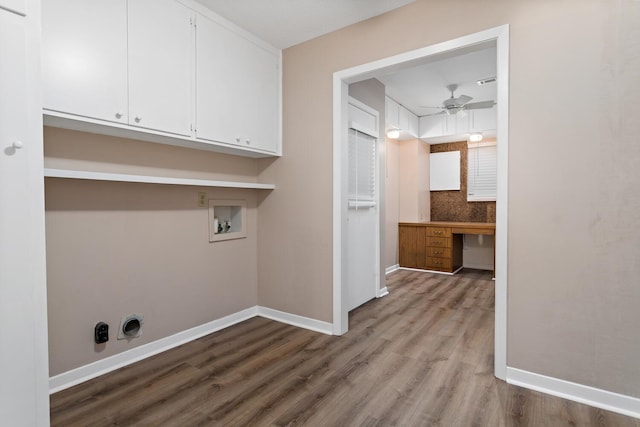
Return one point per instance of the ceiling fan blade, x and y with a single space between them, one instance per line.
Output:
463 99
479 105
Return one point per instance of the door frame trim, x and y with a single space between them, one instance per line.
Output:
341 80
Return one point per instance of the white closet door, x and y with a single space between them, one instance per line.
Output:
24 399
363 227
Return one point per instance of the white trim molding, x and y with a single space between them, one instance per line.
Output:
382 292
341 79
391 269
592 396
108 364
295 320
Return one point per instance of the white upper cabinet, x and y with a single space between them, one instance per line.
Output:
160 65
143 69
414 125
392 113
398 117
484 119
237 89
84 58
447 128
432 126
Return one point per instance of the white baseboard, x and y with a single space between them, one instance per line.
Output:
382 292
108 364
479 266
599 398
295 320
391 269
430 271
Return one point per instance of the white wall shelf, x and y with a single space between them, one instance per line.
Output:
103 176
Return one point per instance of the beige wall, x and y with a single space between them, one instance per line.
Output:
574 165
413 181
392 203
120 248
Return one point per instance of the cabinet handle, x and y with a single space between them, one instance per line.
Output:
248 141
118 115
17 145
237 139
137 119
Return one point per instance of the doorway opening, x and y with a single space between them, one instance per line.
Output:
341 80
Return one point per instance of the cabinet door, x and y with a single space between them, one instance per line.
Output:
392 113
403 118
413 130
237 89
432 126
412 246
84 58
484 119
160 65
462 122
260 97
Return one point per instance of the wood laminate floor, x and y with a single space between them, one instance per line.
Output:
421 356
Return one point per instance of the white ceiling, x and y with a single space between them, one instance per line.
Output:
285 23
425 85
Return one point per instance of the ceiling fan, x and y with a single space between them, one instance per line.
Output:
461 103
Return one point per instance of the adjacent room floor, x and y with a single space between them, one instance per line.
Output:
421 356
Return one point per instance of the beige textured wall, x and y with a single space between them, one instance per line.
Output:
574 166
413 181
392 203
120 248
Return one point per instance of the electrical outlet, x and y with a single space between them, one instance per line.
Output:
202 199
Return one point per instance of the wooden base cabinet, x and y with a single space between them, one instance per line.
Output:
412 246
429 247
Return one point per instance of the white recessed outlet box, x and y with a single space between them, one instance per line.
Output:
227 220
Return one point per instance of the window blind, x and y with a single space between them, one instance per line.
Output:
362 169
482 172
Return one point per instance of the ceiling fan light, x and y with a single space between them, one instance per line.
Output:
393 134
475 137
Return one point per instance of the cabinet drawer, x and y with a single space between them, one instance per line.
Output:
438 231
439 242
441 264
439 252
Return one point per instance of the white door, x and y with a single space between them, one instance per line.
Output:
24 399
161 52
363 216
84 58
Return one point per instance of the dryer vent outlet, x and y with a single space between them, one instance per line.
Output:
130 327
